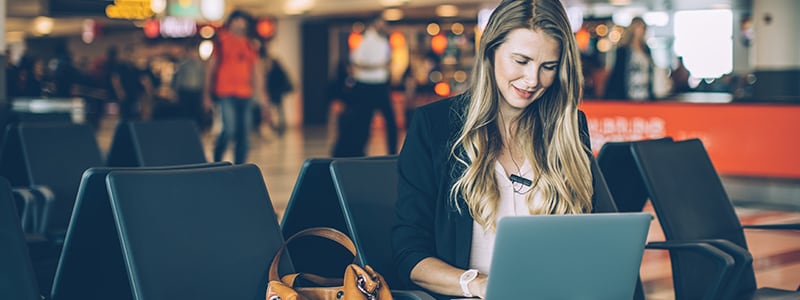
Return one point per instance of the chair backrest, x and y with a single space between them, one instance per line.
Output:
55 155
367 192
195 234
17 278
91 264
691 204
156 143
12 161
622 175
314 203
604 203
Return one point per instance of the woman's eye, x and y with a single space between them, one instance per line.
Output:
521 62
550 67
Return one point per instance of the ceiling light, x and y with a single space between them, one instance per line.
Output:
433 29
297 7
392 3
43 25
158 6
446 11
393 14
212 10
457 28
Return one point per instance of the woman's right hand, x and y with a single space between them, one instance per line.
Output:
437 276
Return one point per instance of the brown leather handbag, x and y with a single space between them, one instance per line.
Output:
359 283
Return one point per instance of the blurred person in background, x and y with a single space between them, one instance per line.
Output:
62 73
128 84
352 126
370 62
680 78
278 85
190 74
234 76
632 75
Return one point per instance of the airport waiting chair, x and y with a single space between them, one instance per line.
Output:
92 265
692 205
622 175
51 156
605 203
314 203
367 192
195 234
156 143
17 278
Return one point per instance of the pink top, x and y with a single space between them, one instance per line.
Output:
511 204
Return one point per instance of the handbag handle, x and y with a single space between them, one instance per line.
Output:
323 232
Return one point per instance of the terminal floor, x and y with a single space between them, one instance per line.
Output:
776 254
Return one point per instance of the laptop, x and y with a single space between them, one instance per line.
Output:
588 256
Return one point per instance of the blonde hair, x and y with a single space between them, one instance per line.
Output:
547 129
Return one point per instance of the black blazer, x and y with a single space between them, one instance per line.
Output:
427 225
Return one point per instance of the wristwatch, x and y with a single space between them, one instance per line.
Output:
467 277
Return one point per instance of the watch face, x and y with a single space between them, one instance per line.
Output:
469 275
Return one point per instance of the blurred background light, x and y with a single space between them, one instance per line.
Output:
212 10
457 28
158 6
43 25
656 18
205 49
705 40
446 11
575 16
433 29
393 14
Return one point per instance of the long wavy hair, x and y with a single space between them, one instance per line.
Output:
547 129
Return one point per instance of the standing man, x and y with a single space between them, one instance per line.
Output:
234 77
370 63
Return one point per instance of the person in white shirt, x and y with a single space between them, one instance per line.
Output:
370 62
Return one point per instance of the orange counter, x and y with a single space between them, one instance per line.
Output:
755 140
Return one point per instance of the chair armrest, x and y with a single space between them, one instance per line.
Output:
723 260
795 226
47 200
411 295
742 257
28 207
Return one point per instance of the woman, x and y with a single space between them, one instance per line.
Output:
514 144
234 76
632 76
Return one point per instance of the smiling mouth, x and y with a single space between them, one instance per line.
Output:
523 93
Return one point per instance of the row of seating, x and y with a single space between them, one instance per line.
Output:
695 214
203 231
44 161
185 224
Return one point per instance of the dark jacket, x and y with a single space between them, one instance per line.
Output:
427 225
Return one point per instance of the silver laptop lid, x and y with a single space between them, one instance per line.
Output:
589 256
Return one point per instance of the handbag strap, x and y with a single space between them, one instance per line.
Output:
323 232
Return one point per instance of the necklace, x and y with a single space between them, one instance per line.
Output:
521 185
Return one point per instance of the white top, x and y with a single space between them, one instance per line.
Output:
638 76
373 51
511 204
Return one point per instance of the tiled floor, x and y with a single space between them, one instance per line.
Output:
776 254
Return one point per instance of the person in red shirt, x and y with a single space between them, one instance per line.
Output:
234 80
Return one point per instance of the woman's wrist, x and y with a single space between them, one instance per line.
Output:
477 287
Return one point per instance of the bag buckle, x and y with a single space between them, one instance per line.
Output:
361 284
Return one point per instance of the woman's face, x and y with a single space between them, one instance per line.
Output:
238 26
525 65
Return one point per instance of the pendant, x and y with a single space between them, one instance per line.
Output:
521 180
